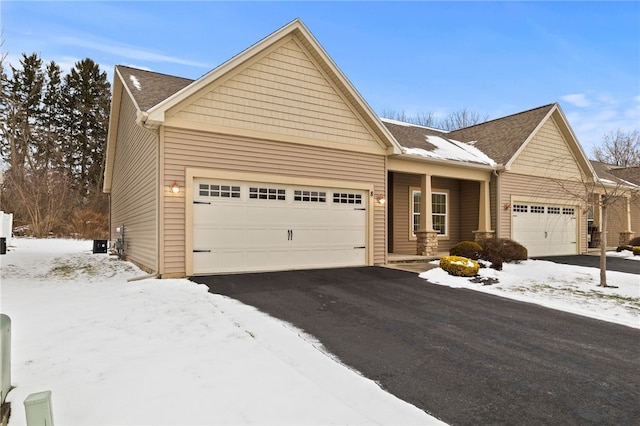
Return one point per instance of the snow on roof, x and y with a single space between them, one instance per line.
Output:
619 182
449 149
135 82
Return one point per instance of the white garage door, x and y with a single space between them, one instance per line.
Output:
249 226
545 230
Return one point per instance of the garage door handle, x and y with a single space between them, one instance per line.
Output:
202 202
361 209
545 234
202 251
289 234
360 247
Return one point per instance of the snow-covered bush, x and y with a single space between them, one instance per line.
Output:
459 266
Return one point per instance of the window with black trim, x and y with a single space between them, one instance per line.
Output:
309 196
553 210
537 209
568 210
256 193
347 198
217 190
521 208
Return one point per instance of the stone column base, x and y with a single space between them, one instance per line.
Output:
427 243
484 235
625 237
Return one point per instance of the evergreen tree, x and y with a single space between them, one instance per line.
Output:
51 117
87 93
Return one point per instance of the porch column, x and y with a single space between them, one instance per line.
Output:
427 238
627 234
484 214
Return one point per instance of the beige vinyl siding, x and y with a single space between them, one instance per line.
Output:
542 190
401 205
282 92
459 223
547 155
133 189
194 149
469 211
617 219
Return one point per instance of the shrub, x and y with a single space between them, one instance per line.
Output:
635 242
459 266
499 250
636 250
623 248
468 249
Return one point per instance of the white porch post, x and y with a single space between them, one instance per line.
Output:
627 234
427 238
426 210
484 213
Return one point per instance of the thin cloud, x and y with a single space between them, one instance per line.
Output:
129 52
577 99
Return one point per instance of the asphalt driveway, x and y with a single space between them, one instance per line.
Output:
463 356
613 263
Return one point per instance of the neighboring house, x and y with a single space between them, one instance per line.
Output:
622 185
274 161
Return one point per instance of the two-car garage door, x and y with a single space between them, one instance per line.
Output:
545 229
256 226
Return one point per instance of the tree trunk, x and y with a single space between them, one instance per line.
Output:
603 245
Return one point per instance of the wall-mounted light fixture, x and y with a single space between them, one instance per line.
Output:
175 188
506 206
380 199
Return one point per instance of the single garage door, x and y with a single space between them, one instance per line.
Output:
257 226
545 230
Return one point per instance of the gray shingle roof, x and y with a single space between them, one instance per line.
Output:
501 138
150 88
617 174
630 174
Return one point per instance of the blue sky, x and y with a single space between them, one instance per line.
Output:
495 58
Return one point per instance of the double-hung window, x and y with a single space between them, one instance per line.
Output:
439 212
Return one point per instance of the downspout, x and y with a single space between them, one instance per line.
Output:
144 277
498 206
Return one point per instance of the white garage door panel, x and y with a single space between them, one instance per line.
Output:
545 230
252 231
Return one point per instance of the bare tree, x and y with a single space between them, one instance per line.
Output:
426 119
461 119
454 121
602 194
619 148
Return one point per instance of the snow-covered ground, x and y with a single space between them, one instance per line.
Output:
158 352
166 352
568 288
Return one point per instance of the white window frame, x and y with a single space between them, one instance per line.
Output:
412 213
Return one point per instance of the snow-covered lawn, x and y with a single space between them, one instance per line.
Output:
159 352
166 352
565 287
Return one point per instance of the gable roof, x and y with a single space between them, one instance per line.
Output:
155 114
502 138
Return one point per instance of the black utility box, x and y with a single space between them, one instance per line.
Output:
99 246
3 245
